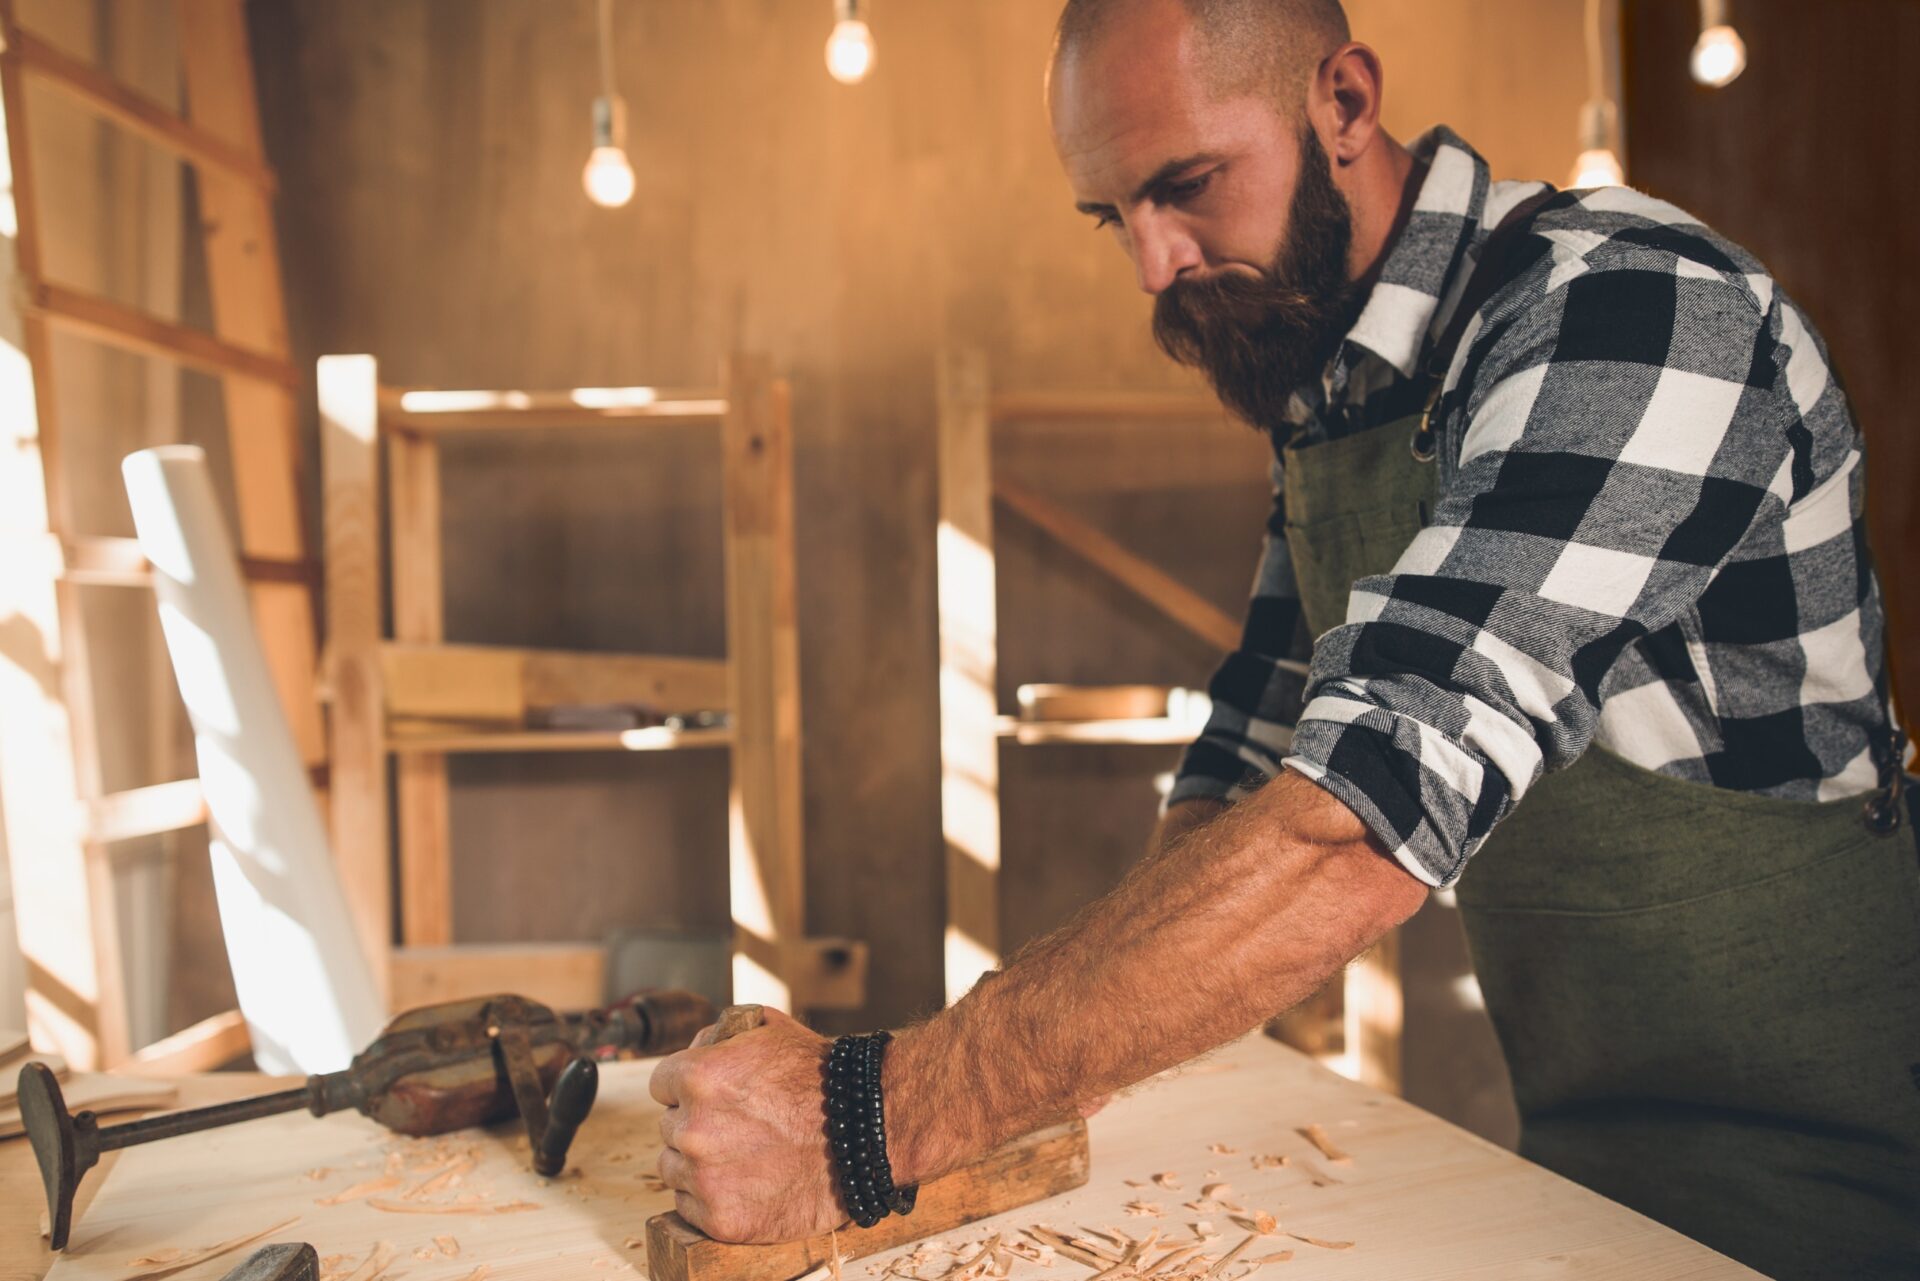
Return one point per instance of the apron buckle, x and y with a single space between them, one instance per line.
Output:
1882 811
1423 442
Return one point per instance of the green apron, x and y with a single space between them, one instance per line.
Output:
1709 1000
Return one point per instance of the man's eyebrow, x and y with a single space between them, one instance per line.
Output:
1160 177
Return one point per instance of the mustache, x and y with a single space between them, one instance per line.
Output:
1256 338
1193 318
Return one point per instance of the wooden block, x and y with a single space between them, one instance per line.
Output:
1043 1164
1092 702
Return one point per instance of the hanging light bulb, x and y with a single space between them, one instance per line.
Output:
1719 55
850 47
608 177
1598 165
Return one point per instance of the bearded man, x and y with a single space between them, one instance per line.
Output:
1568 518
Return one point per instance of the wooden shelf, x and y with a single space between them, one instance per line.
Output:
656 738
1143 731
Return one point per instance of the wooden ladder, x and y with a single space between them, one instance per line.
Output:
59 823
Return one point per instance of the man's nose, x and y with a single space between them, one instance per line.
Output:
1161 252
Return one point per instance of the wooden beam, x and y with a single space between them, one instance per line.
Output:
767 876
566 976
828 974
130 329
1180 603
1092 702
969 671
133 111
249 311
205 1047
488 683
350 485
420 778
146 811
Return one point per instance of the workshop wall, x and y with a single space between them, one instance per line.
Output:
431 214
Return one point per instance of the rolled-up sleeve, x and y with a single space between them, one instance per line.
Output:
1621 437
1256 699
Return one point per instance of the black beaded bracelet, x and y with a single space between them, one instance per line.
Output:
857 1130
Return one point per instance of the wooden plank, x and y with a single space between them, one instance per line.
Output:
210 1044
1421 1199
133 111
243 276
104 320
1044 702
766 875
65 906
1180 603
350 486
421 792
146 811
566 976
969 663
1041 1165
470 741
490 683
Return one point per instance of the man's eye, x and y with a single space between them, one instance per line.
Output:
1178 192
1104 220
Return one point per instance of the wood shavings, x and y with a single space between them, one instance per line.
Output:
1271 1162
1324 1245
359 1190
424 1253
1172 1259
1328 1148
1259 1221
1167 1179
1227 1258
188 1258
1097 1257
1138 1183
418 1207
1321 1179
1144 1209
318 1173
1205 1230
1217 1191
453 1173
478 1274
1283 1256
818 1274
448 1246
375 1264
635 1243
1221 1149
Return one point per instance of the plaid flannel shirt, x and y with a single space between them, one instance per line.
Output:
1649 534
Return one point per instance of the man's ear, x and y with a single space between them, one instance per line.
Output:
1344 101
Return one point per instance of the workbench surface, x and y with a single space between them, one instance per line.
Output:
1409 1195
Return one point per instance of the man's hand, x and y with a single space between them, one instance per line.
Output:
746 1143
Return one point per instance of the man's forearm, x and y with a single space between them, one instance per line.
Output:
1182 818
1206 937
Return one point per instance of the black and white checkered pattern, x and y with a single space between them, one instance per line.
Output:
1649 534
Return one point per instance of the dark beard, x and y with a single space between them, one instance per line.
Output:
1258 340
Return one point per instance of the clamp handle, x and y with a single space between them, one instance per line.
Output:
572 1099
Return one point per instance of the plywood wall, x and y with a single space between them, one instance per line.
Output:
432 214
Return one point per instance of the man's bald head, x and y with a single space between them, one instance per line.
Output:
1269 48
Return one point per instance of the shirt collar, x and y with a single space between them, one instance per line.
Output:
1423 264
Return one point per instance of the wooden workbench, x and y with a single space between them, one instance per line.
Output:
1416 1198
